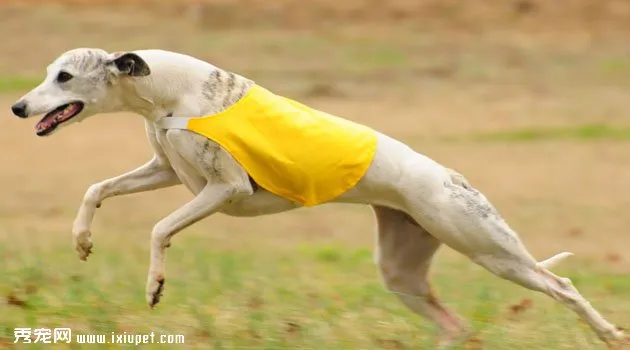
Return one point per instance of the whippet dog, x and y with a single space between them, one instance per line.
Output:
418 204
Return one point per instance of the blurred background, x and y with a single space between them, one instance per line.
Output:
527 98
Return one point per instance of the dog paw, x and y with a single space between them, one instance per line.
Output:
83 243
456 339
620 341
155 287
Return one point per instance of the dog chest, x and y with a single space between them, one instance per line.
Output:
186 173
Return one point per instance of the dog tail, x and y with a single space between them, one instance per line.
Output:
554 260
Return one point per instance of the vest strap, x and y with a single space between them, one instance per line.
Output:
172 123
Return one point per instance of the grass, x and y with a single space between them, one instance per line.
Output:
10 84
318 296
574 132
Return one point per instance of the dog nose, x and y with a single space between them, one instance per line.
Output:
19 109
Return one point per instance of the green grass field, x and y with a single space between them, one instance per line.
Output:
535 119
306 296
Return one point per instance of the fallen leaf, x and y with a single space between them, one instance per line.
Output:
203 334
14 300
292 328
521 306
613 257
523 7
254 334
389 344
5 344
323 90
76 278
31 289
474 343
575 232
255 303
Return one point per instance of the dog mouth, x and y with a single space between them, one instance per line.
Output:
57 116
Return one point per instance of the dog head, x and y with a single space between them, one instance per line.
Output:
78 84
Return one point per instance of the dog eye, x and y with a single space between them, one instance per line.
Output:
63 77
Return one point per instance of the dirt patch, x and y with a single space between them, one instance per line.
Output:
481 69
591 15
546 190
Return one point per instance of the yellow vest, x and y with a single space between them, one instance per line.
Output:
293 151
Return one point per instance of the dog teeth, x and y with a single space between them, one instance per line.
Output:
56 118
64 112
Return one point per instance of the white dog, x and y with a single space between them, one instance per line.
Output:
418 203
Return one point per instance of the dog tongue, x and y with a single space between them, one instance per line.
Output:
55 117
46 123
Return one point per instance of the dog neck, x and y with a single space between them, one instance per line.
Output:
182 86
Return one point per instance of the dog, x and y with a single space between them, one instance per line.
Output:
418 203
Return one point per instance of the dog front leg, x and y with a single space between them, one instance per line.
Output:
211 198
155 174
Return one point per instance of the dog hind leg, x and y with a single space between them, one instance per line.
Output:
461 217
404 254
536 277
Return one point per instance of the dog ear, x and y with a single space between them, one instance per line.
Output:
130 64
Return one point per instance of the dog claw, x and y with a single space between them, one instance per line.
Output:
84 251
83 243
622 340
155 290
464 337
